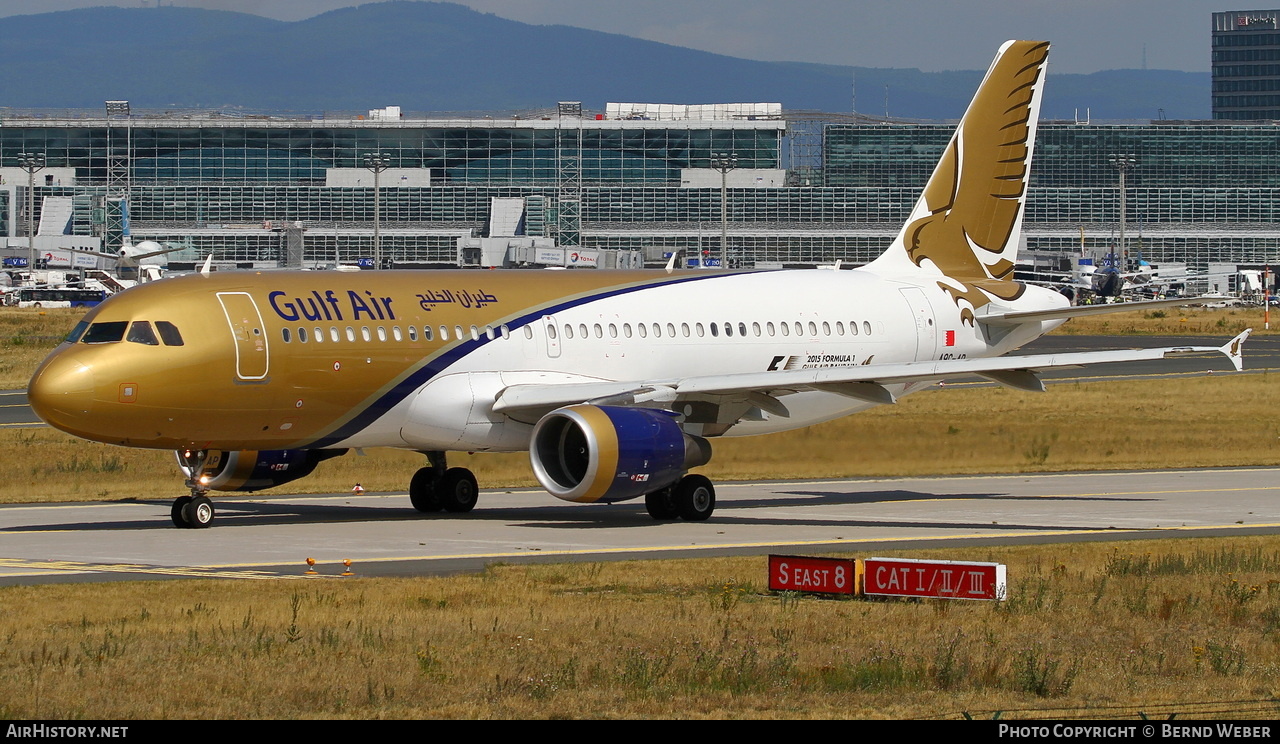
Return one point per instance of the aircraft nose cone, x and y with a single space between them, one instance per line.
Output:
61 393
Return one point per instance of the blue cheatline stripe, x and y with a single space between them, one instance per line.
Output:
434 366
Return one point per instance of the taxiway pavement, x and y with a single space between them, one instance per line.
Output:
381 534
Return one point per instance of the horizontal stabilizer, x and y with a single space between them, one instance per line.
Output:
996 318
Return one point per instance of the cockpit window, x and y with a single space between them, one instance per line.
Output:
140 333
109 332
77 332
169 333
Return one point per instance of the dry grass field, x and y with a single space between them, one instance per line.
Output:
27 336
1223 322
1187 627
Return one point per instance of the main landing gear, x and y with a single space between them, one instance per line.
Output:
693 499
439 487
194 511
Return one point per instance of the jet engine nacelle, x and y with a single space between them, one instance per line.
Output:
608 453
254 470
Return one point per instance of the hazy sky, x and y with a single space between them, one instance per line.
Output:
1088 35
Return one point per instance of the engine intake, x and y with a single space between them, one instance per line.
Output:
590 453
254 470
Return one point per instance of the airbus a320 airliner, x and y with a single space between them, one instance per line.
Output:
615 382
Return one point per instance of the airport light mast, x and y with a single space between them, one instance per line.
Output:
724 162
377 162
119 175
1124 164
31 162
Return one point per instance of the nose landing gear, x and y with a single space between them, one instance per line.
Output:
194 511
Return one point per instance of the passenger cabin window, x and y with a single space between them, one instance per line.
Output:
318 335
109 332
140 332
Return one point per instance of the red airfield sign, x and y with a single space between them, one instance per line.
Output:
794 573
906 577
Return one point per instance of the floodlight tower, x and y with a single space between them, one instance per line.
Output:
377 162
31 162
724 162
1124 164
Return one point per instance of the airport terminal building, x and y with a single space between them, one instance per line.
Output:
634 180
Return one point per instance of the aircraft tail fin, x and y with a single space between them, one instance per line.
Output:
967 223
1233 349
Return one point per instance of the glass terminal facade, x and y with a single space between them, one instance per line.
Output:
457 153
1246 65
1201 191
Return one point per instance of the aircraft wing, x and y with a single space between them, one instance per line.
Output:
864 382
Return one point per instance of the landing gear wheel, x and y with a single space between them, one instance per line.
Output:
198 512
176 512
661 504
694 498
458 491
423 492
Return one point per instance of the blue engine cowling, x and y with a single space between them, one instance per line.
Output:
608 453
254 470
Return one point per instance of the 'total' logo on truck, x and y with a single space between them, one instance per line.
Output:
793 573
905 577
